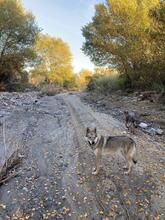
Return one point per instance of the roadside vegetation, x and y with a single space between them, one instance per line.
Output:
129 37
82 78
124 37
104 81
29 58
18 32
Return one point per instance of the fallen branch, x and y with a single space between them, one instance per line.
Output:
9 177
11 164
4 141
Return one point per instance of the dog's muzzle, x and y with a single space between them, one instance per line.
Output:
94 142
91 143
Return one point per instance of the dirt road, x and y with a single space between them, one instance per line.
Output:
55 180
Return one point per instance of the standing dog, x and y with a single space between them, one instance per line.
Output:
110 145
130 121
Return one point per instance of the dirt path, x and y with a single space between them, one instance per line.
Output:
55 180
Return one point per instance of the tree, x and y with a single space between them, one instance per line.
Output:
82 78
158 42
54 60
18 32
123 34
105 71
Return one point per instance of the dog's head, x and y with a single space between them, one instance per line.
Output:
91 136
126 113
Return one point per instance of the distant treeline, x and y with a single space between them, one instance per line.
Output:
125 35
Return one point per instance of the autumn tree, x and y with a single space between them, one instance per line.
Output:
158 43
82 78
54 60
105 71
123 34
18 32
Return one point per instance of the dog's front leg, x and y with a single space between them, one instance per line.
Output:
98 162
133 129
127 124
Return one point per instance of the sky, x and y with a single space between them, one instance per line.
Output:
64 19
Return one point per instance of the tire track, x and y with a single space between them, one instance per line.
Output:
129 199
80 131
92 210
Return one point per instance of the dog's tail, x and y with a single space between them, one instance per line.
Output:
134 157
134 160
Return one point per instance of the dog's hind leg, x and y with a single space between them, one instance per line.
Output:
132 128
126 161
130 164
131 159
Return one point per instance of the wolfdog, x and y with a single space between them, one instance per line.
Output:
110 145
130 121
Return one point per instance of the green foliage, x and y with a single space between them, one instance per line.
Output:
18 32
104 84
159 87
71 83
129 35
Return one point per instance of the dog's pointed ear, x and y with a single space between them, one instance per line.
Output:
87 131
95 130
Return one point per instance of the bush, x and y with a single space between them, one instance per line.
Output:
159 87
69 84
105 84
49 89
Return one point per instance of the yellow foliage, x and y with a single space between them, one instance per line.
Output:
82 78
133 13
106 71
55 59
35 79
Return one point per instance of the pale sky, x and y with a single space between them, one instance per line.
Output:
64 19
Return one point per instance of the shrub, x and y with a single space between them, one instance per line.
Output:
50 89
159 87
105 84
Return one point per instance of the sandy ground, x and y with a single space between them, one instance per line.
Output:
55 180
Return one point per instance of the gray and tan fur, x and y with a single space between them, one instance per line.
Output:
110 145
130 121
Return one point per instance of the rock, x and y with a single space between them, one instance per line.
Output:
143 125
159 131
145 114
25 189
162 159
65 165
151 131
